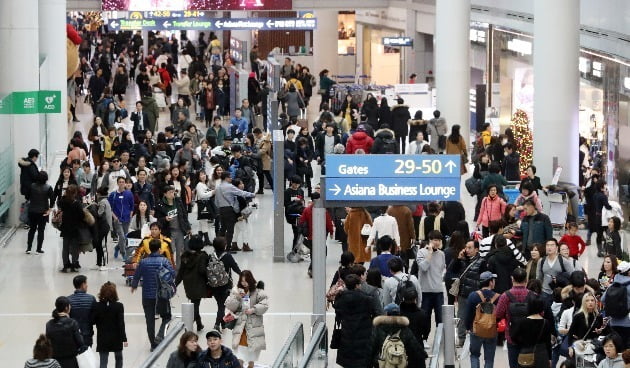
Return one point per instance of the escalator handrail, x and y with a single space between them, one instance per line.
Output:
297 334
319 339
435 350
159 350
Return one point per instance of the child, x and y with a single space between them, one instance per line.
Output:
612 240
575 242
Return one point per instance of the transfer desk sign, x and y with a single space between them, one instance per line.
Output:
392 178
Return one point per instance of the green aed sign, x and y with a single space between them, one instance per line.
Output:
31 102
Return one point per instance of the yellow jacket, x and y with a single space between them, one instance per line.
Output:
143 250
486 137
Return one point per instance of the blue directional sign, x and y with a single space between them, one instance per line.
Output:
392 178
202 23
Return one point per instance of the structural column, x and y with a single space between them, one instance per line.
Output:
409 61
52 38
325 42
556 89
452 62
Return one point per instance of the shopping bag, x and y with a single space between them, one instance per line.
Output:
24 212
87 359
465 352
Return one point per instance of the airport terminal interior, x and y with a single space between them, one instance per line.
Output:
447 105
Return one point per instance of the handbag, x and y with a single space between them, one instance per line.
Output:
528 359
230 321
366 230
206 209
454 289
335 339
87 359
88 218
56 219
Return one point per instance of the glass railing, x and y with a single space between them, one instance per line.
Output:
434 357
292 350
316 353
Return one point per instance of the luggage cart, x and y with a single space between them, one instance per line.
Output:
129 269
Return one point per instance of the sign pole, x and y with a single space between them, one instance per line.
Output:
318 259
278 183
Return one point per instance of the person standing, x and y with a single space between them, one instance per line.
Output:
28 172
400 117
226 200
437 129
532 334
64 335
489 344
263 144
535 227
621 323
148 270
172 218
140 121
550 268
82 309
456 145
356 219
193 273
121 201
41 197
71 220
109 318
431 266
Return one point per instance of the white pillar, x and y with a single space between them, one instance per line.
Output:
19 38
359 49
325 42
452 62
409 61
556 88
52 38
145 43
243 35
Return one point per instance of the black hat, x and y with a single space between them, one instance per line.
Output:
213 333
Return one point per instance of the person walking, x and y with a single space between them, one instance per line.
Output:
456 145
122 204
226 200
248 302
485 294
533 333
172 217
109 318
356 219
148 270
406 230
41 201
71 220
64 335
395 324
431 266
82 309
221 293
192 272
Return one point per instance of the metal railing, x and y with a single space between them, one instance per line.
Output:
435 349
292 350
316 353
173 332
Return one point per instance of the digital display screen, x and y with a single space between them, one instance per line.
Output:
147 5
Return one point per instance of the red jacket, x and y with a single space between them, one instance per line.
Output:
359 140
307 217
490 210
575 242
165 76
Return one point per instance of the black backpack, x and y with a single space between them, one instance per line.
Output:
404 284
517 310
616 300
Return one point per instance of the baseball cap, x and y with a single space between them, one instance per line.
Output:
392 309
213 333
487 275
623 267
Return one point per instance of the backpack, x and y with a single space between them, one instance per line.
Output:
215 272
247 176
404 284
473 186
485 322
393 354
517 310
389 146
166 282
616 301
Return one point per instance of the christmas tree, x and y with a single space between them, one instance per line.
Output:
524 139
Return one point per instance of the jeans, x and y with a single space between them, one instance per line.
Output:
151 307
121 229
461 314
104 355
513 351
220 295
433 301
70 248
489 348
38 223
228 220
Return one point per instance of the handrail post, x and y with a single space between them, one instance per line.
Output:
188 315
448 314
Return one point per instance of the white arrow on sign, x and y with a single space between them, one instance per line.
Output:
270 23
114 24
218 23
166 24
450 165
336 189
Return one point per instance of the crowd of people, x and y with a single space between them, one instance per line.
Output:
397 262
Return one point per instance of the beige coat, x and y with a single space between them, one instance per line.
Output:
458 149
252 323
264 148
355 220
404 219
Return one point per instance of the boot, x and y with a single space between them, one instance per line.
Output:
199 325
234 247
246 248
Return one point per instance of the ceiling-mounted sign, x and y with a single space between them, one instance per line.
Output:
398 41
148 5
261 24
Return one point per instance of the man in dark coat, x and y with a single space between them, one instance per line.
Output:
28 172
511 162
400 117
390 324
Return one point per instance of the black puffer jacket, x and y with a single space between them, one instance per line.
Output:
65 338
469 281
502 262
192 272
400 116
41 198
387 325
355 310
72 218
379 140
419 321
28 175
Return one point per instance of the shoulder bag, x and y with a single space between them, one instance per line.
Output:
528 359
454 289
335 339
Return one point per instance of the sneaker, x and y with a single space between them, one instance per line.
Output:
26 227
102 268
40 251
28 252
64 270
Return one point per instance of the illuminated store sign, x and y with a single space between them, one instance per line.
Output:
397 41
265 24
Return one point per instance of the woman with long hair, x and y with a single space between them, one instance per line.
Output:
355 220
71 220
42 355
456 243
109 318
456 145
64 335
608 271
186 352
141 218
533 333
248 302
537 251
206 209
66 178
492 208
587 323
221 293
96 135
